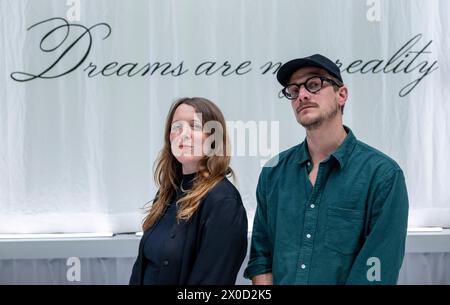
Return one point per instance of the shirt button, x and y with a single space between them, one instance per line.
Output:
309 163
308 235
166 263
312 206
303 266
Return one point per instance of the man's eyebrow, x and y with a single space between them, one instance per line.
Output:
309 75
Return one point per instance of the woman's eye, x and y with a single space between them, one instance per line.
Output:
176 128
197 127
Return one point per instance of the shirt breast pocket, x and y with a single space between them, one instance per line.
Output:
344 230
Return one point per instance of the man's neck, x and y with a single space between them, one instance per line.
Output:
324 140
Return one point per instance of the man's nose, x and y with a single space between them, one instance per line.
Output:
303 95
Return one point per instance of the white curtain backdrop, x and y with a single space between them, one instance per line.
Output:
76 151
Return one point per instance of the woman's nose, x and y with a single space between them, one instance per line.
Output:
186 132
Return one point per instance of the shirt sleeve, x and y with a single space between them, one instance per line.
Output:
382 252
260 260
222 243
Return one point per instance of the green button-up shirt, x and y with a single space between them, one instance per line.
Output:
349 228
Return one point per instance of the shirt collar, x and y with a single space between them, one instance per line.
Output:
345 149
341 154
303 153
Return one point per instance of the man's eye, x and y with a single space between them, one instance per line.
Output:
293 91
314 84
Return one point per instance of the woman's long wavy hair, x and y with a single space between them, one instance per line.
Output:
213 167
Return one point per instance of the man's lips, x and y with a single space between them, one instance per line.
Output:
300 109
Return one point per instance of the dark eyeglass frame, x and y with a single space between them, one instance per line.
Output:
322 80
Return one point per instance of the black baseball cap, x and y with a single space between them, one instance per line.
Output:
286 70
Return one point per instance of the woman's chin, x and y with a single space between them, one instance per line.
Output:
188 159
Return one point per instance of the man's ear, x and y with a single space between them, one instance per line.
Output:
342 95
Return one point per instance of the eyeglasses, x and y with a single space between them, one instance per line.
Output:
312 84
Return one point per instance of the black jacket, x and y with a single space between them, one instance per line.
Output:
208 249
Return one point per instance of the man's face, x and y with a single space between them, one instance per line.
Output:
313 109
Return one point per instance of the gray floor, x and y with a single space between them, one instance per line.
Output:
425 268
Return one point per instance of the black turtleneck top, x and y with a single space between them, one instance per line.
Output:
161 232
209 248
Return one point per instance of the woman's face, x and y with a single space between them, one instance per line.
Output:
186 138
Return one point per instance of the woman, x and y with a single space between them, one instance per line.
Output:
196 229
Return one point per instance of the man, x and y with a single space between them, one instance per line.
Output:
333 210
